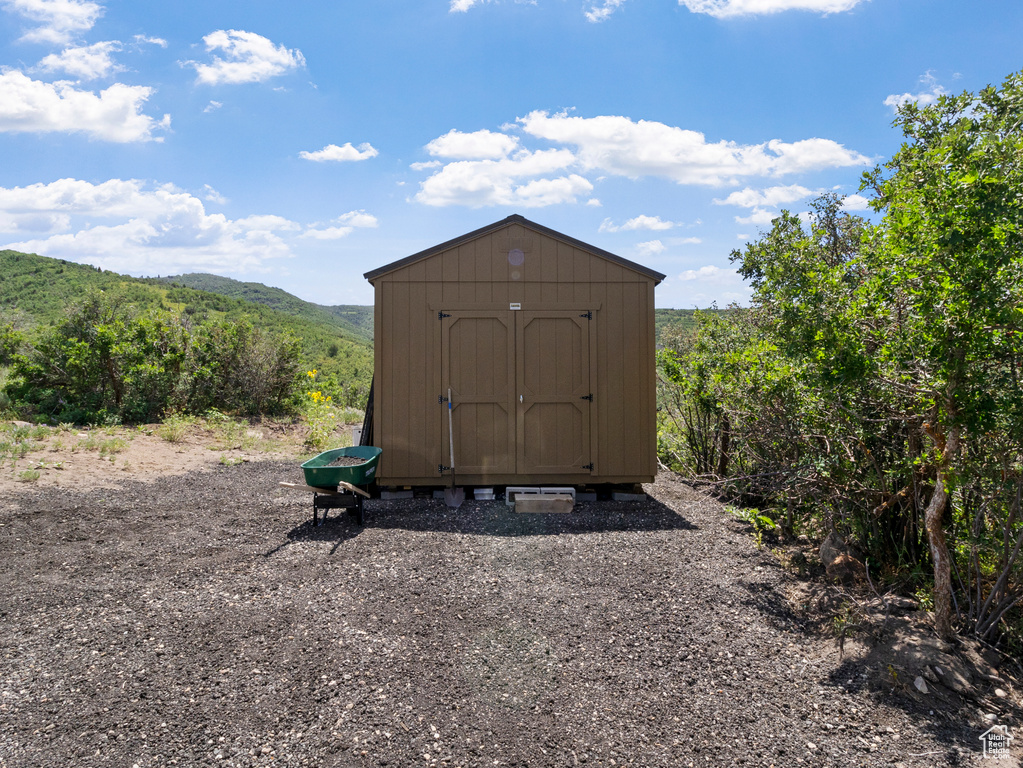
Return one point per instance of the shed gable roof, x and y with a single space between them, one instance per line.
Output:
657 277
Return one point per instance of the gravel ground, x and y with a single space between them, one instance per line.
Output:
200 620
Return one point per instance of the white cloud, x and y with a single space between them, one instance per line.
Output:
856 203
211 195
478 145
86 62
542 192
759 216
140 39
594 203
334 153
46 222
491 168
933 92
248 58
617 145
752 198
602 12
32 106
478 183
213 106
344 225
686 241
143 230
810 155
267 222
703 286
726 9
58 20
329 233
650 248
358 219
640 222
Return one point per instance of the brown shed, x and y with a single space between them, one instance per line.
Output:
547 346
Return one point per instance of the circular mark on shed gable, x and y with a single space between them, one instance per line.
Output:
516 257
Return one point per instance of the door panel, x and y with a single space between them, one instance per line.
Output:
478 364
552 372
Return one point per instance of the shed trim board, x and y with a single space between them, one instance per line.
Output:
513 219
492 307
547 346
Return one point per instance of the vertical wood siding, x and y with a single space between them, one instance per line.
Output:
477 275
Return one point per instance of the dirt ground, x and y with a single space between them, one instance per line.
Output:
173 607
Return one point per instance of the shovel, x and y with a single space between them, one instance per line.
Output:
453 497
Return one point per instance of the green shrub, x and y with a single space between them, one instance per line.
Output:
175 427
872 387
108 363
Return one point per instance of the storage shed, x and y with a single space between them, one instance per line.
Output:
546 345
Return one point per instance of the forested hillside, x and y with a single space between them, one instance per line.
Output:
675 321
37 292
354 320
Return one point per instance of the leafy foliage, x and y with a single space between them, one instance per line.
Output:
10 342
110 362
36 292
676 320
873 385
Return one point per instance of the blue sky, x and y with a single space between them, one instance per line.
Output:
303 144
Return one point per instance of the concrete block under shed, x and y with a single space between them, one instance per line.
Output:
392 495
619 496
514 492
531 503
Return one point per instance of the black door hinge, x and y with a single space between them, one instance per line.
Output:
587 397
441 399
442 315
587 315
589 466
441 469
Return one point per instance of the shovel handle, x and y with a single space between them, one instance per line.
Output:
451 436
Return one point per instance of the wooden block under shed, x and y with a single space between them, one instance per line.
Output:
545 502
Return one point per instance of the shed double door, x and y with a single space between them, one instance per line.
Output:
520 391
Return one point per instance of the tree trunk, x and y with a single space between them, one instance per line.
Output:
936 532
726 429
939 554
115 382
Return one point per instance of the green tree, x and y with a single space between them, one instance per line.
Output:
873 386
946 259
10 342
106 360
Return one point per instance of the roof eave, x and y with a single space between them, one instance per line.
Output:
513 219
